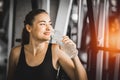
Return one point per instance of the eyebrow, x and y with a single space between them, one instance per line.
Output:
44 21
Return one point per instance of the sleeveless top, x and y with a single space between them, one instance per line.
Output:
44 71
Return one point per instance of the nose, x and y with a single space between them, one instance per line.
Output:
48 27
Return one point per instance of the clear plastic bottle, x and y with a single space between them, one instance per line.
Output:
69 49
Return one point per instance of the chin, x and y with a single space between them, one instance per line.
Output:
47 39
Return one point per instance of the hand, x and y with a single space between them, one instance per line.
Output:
69 47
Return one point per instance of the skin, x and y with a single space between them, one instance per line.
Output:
35 51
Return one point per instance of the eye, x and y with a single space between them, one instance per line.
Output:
42 24
51 24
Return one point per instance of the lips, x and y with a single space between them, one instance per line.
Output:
47 33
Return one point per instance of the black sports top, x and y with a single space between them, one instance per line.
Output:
44 71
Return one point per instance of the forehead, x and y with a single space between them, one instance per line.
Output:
42 17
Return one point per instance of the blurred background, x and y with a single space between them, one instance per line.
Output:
94 25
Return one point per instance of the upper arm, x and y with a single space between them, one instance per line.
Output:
66 63
12 62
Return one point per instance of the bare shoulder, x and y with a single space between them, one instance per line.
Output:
59 51
14 54
16 50
55 46
55 49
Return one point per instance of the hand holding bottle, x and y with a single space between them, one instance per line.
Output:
69 47
65 42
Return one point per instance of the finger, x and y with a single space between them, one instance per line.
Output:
67 42
65 38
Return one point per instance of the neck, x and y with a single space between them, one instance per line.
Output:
36 48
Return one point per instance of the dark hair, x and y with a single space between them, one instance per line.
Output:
29 18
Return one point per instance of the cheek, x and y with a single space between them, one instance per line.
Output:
39 31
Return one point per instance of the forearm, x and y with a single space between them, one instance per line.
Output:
79 69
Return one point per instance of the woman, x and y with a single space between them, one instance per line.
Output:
36 58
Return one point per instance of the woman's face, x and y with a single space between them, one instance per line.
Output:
41 28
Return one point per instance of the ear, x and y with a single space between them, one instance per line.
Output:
28 28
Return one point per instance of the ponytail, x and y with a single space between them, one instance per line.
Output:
25 36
